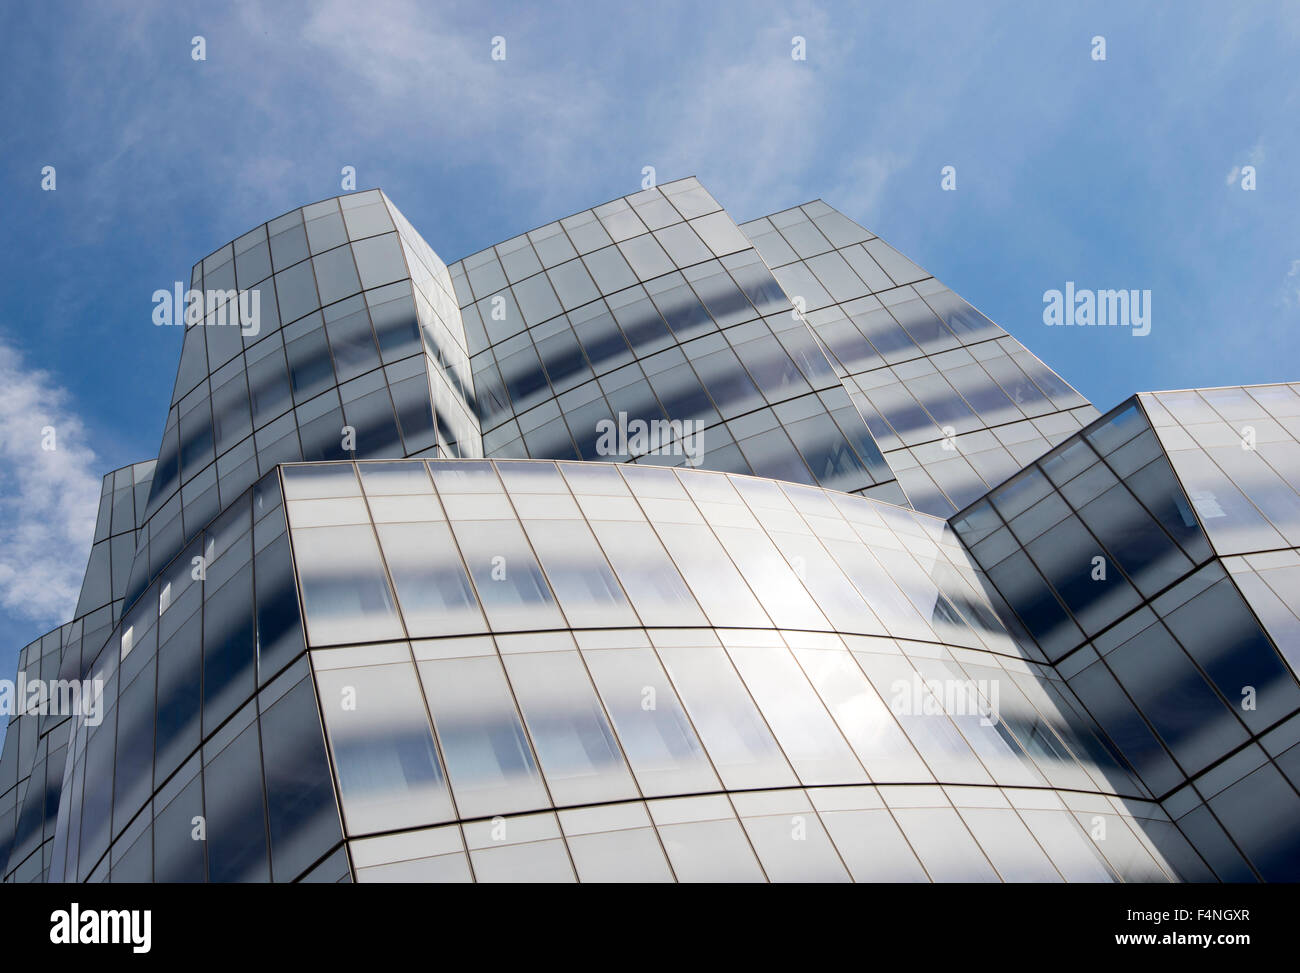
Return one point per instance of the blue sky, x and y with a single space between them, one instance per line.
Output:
1116 174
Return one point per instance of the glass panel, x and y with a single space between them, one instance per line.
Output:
710 851
656 735
834 593
631 855
582 579
279 630
134 769
228 647
1110 707
717 584
807 734
1072 851
581 761
794 848
973 708
1065 556
733 730
301 809
489 760
778 588
1142 549
863 717
649 576
1173 696
537 861
179 676
1234 524
432 588
1009 845
1221 634
879 591
1126 855
923 719
388 769
235 814
344 591
178 857
510 585
1260 812
872 847
944 845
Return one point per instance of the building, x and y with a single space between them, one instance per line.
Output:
647 546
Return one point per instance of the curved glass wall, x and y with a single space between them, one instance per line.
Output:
710 677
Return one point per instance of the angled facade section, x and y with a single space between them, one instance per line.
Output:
326 333
1150 557
956 403
1237 453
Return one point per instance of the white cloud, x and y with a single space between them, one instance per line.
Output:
748 119
420 78
48 498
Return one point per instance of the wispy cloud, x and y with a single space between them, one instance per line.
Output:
422 79
48 497
748 119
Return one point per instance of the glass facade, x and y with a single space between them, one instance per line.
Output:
617 552
356 349
657 308
1111 552
711 678
955 402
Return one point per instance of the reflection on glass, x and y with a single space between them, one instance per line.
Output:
389 775
234 811
649 576
834 593
807 734
575 745
489 761
974 708
432 587
944 845
864 719
777 586
922 718
582 579
741 745
714 579
344 590
1175 699
1072 851
656 735
880 593
510 585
